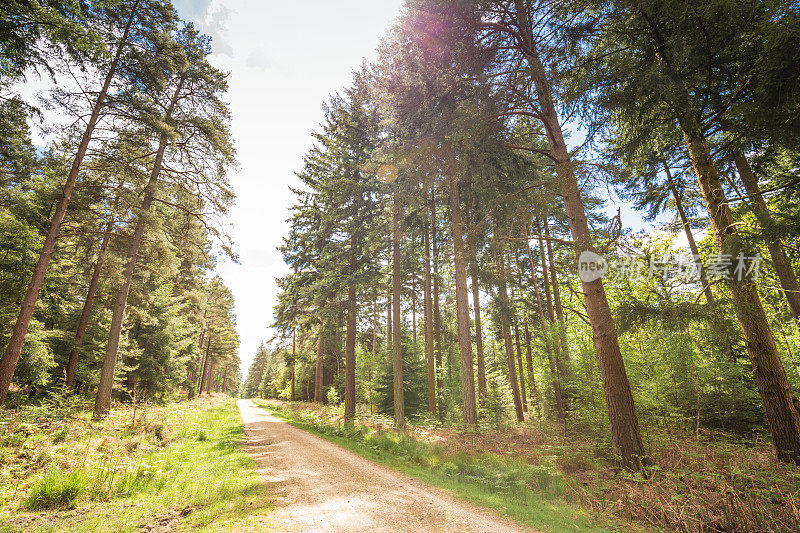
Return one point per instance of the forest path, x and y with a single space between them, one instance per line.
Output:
319 486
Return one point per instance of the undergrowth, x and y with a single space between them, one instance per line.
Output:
177 464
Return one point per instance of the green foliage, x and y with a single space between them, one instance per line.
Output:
414 385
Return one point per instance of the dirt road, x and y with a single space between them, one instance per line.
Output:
319 486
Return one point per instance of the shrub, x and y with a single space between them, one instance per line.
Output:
56 489
332 396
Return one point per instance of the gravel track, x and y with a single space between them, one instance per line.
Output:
316 485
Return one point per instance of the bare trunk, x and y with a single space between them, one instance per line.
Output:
779 402
625 435
17 340
72 364
294 355
504 323
687 229
389 335
414 310
397 327
531 378
437 316
780 261
428 313
476 303
551 343
210 375
563 360
350 357
522 392
319 368
206 367
462 310
102 402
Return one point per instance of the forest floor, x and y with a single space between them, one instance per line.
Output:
318 486
711 483
163 468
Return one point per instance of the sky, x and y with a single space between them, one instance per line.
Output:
284 60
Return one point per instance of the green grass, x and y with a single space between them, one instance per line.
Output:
529 494
201 479
56 489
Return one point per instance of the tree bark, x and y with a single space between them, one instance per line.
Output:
319 368
294 354
545 327
206 366
563 361
779 402
626 438
687 229
397 327
414 310
523 393
437 316
476 303
102 402
350 357
780 261
462 310
428 313
504 324
17 340
389 350
535 401
72 363
210 376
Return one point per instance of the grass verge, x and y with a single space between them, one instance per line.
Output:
529 494
183 470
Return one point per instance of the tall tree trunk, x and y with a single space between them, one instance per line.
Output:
779 402
462 310
504 324
535 400
770 375
625 435
350 356
319 367
72 363
563 361
17 340
718 323
102 402
397 327
780 261
428 313
476 303
204 375
523 393
294 355
687 229
545 326
210 376
552 343
389 335
437 315
414 310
